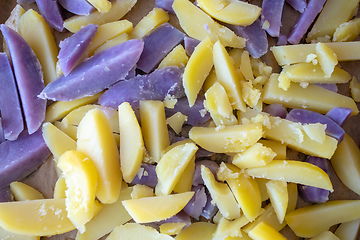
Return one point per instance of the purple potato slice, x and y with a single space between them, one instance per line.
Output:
50 10
78 7
271 14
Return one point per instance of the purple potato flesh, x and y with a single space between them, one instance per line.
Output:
2 137
166 5
154 86
282 40
73 49
29 78
211 165
276 110
190 44
303 23
180 217
157 44
96 73
271 14
329 86
10 107
146 176
50 10
5 194
78 7
21 157
339 114
256 38
314 194
210 209
196 114
307 116
298 5
195 206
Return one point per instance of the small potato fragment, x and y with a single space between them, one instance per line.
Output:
140 191
347 31
154 128
152 209
102 6
293 171
277 147
221 195
227 139
255 156
96 140
22 192
279 198
197 69
348 230
264 231
231 11
197 230
231 229
172 228
327 58
177 57
314 219
176 121
131 142
185 181
327 235
60 187
135 231
35 217
81 179
171 166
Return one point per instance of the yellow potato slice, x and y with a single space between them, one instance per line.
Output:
172 228
102 6
60 187
278 193
255 156
176 121
22 192
112 42
152 209
81 179
140 191
347 31
135 231
177 57
229 229
231 11
327 58
185 181
96 140
264 231
197 230
131 142
278 147
327 235
348 230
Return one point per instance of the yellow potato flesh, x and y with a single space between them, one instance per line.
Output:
177 57
176 121
199 25
278 193
348 230
13 236
81 179
221 195
153 19
231 11
96 140
105 221
171 166
264 231
226 139
348 31
140 191
293 171
227 76
136 231
197 69
108 31
312 220
327 235
118 9
330 17
58 110
131 142
22 192
112 42
346 163
102 6
255 156
245 66
172 228
327 58
60 187
34 29
152 209
197 230
185 182
70 130
312 97
231 229
278 147
154 128
35 217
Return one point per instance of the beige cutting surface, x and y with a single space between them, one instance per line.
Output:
45 177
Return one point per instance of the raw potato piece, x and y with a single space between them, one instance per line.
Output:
231 11
22 192
135 231
131 142
154 128
171 166
152 209
293 171
197 69
81 179
96 140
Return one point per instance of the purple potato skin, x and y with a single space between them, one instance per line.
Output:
10 107
195 206
157 44
166 5
194 113
298 5
256 38
328 86
211 165
50 10
210 209
190 44
154 86
109 66
78 7
276 110
73 49
307 116
21 157
146 176
272 13
5 194
313 194
179 217
29 78
339 114
303 23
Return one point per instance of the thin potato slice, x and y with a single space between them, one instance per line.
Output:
22 192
